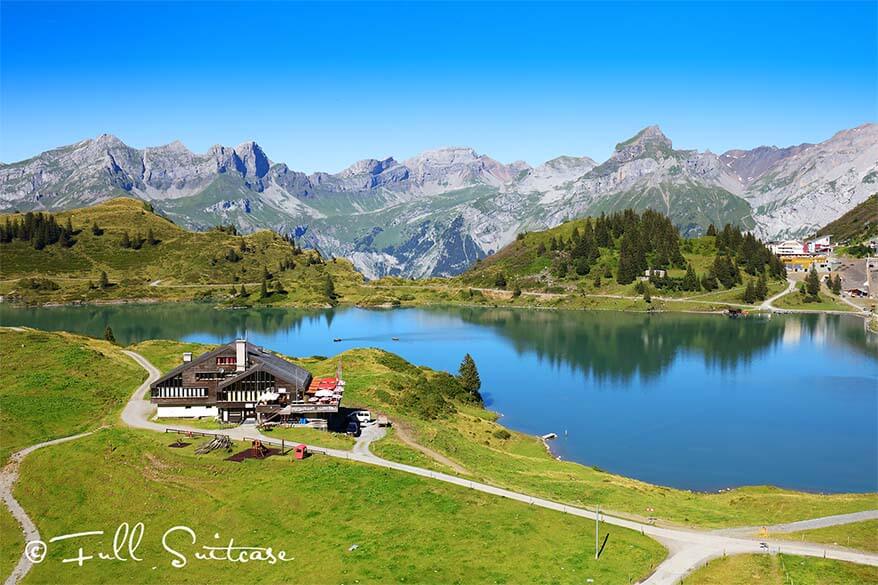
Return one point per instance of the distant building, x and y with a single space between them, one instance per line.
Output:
788 248
656 272
819 245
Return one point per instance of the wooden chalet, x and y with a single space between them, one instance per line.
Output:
240 381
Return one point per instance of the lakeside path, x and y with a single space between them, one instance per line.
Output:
688 549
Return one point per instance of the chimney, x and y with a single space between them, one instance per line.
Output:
240 355
187 356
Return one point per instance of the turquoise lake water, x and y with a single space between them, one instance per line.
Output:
692 401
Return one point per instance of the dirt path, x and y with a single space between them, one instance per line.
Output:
8 477
403 434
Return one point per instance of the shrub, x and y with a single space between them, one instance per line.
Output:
502 434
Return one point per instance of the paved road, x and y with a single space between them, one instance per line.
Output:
804 524
689 549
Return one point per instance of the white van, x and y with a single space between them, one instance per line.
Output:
362 416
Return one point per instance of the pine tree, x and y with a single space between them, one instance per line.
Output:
516 292
812 283
836 285
500 280
243 292
104 281
690 281
68 227
711 230
468 375
263 291
108 334
761 287
329 289
647 296
232 291
749 296
150 238
95 230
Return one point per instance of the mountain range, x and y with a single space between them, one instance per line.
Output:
438 212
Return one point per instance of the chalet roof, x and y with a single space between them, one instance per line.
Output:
259 360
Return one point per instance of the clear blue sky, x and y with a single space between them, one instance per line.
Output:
322 85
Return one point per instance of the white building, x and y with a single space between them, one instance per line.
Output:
819 245
788 248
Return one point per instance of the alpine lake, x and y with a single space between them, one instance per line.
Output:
699 402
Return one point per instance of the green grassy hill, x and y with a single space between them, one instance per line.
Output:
542 262
857 225
180 265
58 384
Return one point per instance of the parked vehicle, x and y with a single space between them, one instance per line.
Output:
353 428
361 416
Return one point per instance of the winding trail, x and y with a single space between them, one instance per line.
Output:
767 303
688 548
8 477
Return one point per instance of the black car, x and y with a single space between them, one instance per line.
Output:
353 428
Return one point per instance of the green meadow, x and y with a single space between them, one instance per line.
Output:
56 384
781 570
341 522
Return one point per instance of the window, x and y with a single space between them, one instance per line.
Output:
226 361
208 376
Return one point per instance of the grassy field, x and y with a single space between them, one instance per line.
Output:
58 384
861 535
781 570
407 529
312 437
11 542
828 302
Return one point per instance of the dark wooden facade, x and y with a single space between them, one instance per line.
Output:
231 381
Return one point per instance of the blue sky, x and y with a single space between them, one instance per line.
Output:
322 85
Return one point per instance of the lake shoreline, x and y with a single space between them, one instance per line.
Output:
756 309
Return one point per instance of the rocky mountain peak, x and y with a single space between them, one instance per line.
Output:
650 142
253 162
369 166
108 140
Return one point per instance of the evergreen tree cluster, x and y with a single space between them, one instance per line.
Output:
748 251
644 240
137 242
40 229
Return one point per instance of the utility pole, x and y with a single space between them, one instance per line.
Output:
597 527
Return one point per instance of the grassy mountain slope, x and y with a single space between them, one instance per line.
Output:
182 265
857 225
57 384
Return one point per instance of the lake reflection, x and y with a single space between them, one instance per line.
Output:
695 401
